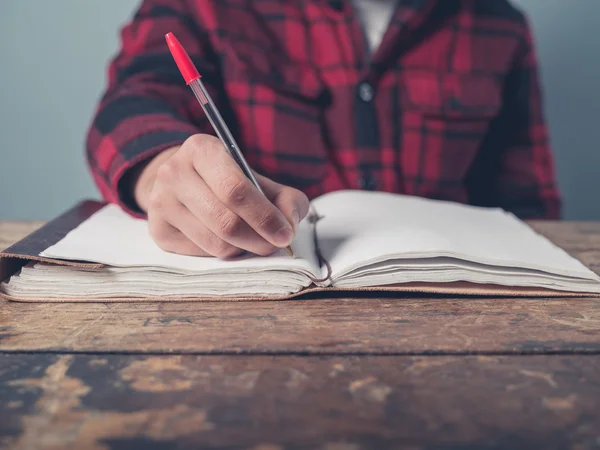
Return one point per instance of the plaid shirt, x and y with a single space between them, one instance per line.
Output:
447 107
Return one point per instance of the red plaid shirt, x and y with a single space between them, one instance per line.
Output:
447 107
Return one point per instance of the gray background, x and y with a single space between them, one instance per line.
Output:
47 98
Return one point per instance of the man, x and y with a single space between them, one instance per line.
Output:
434 98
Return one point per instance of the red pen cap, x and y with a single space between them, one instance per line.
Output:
185 64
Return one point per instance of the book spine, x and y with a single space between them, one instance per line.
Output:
313 218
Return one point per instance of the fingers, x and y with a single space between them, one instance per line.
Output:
194 230
237 193
293 203
170 239
202 204
199 204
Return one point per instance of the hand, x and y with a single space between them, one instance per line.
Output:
200 203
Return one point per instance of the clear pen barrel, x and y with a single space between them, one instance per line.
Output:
221 129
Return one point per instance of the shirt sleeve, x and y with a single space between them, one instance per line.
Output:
146 107
515 168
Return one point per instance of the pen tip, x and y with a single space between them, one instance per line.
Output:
290 251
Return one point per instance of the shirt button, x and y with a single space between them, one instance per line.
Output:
367 182
365 92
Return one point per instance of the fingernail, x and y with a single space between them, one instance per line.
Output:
295 218
284 237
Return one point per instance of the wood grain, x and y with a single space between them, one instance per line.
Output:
482 377
357 326
268 403
392 325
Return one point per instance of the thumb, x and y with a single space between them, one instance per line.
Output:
292 203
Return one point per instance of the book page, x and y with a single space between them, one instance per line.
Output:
114 238
360 228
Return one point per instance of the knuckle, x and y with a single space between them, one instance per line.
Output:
167 171
230 224
200 146
193 142
235 190
196 151
269 222
157 200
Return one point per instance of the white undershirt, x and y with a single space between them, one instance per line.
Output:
375 16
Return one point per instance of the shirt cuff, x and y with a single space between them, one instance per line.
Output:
139 151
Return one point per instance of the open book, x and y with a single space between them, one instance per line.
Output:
350 240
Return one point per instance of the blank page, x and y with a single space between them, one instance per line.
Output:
114 238
360 228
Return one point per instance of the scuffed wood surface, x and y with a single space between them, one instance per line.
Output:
11 232
413 325
278 403
377 326
279 377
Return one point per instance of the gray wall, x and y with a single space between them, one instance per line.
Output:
48 98
44 113
567 39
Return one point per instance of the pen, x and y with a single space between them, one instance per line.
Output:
193 80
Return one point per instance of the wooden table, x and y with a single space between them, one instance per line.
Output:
336 374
